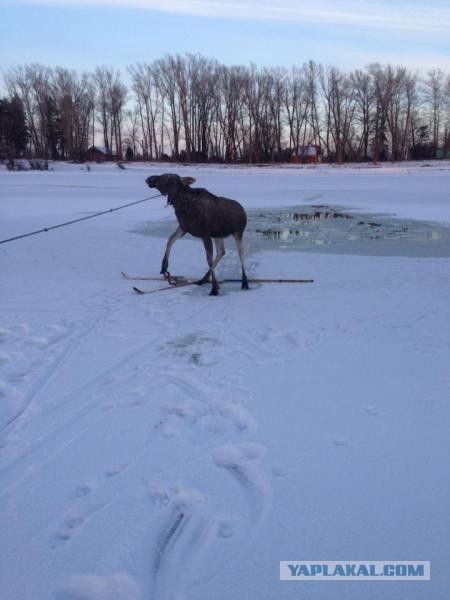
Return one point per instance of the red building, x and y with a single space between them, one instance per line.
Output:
97 153
306 154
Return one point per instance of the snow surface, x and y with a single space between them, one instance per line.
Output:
178 446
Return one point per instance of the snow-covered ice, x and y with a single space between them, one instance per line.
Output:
179 446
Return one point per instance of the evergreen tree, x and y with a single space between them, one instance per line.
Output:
129 153
54 129
13 129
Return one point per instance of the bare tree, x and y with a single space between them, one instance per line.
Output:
145 86
296 103
364 98
229 100
434 94
75 99
165 76
447 113
133 130
18 83
381 79
340 102
111 99
193 107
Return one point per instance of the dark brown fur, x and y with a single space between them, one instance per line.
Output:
205 216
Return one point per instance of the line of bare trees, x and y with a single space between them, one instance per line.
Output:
194 108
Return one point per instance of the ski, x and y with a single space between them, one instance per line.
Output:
259 280
192 282
181 280
173 278
140 277
162 289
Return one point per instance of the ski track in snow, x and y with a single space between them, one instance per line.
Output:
133 456
180 371
192 388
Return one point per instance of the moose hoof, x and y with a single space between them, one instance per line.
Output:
201 281
244 285
214 292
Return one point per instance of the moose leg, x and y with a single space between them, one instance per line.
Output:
220 253
238 240
207 242
171 241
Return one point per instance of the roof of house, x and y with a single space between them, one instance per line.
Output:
102 149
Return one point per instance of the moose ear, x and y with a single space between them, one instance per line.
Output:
188 180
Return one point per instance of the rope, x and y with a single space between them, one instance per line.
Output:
103 212
174 279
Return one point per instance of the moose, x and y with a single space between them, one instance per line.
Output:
204 216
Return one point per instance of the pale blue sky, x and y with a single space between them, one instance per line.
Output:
83 34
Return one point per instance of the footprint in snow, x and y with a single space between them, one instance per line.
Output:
72 521
272 345
341 440
173 425
227 421
114 470
226 527
84 488
138 397
83 508
118 586
186 534
278 472
67 529
4 334
4 358
241 418
203 421
242 462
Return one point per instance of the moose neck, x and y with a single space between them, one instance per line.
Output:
177 199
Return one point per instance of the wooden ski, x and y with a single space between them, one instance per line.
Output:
181 280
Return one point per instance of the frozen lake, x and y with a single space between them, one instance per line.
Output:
179 446
334 230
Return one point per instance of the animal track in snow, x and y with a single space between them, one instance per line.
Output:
186 534
371 411
137 397
67 529
193 409
242 461
118 586
240 417
31 351
341 440
278 472
5 333
226 527
197 348
271 344
84 488
115 470
83 507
